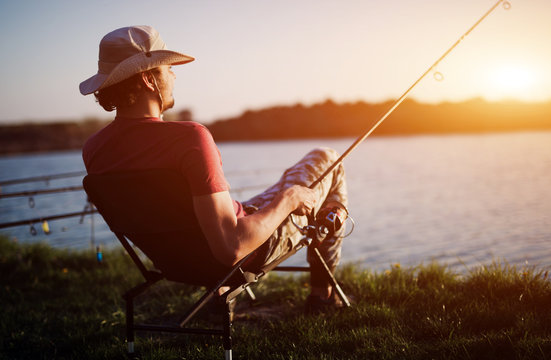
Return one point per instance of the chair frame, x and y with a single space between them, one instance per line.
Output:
154 276
311 238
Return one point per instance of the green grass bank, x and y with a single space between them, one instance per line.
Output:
59 304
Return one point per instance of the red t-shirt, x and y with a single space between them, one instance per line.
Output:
150 143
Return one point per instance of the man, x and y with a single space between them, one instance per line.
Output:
135 79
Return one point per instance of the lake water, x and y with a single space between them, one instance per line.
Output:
461 200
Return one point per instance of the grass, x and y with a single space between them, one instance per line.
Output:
59 304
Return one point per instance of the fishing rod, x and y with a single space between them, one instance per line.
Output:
31 193
41 192
45 178
81 213
86 211
506 6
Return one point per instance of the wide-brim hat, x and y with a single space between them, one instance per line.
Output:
128 51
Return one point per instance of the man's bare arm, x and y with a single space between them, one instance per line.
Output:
230 239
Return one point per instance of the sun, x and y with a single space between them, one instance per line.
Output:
512 80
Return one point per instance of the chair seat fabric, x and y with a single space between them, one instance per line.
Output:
154 210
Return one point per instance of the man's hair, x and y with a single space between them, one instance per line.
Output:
124 93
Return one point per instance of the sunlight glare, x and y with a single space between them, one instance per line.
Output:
513 80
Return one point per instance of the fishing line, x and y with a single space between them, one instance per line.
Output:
438 76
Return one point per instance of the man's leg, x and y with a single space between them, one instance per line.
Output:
331 190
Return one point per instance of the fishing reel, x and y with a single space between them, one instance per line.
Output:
325 223
330 220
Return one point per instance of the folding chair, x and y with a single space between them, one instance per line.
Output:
153 209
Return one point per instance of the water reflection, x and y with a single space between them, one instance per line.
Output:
463 200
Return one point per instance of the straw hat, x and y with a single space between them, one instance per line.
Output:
128 51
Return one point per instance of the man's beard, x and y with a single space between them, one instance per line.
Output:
165 104
168 104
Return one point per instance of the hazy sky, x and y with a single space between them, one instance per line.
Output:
252 53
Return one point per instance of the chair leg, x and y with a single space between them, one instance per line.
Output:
332 279
130 324
129 299
227 331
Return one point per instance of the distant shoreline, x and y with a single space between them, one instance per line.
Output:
322 120
78 149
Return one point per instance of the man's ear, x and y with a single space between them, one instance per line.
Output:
148 80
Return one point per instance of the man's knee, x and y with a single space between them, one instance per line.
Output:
325 153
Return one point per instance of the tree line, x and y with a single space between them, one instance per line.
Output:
329 119
322 120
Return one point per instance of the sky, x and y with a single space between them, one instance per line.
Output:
252 54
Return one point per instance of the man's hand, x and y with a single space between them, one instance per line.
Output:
303 197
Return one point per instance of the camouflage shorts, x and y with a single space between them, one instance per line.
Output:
331 188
